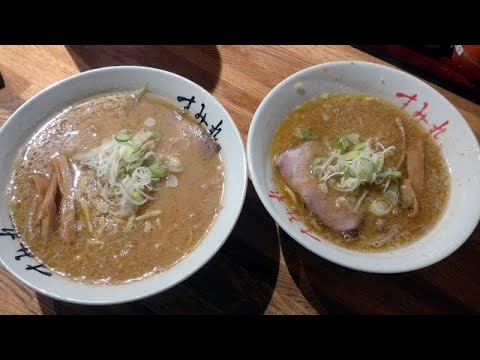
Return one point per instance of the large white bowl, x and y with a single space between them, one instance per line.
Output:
29 117
458 143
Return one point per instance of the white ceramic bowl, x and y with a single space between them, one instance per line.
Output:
29 117
458 143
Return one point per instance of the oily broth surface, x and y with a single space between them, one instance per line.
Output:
338 115
119 256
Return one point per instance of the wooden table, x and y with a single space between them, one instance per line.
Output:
255 272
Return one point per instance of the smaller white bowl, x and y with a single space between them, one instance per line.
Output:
459 146
35 112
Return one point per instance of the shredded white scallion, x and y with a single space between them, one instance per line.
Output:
363 163
127 169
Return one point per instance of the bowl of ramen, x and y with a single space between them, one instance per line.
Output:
118 183
366 166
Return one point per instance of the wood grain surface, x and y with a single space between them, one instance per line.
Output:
255 272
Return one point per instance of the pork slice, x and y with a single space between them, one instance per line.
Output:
67 207
199 134
415 164
294 166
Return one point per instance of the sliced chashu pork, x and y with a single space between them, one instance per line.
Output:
198 133
294 167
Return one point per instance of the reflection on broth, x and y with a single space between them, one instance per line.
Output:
360 172
116 188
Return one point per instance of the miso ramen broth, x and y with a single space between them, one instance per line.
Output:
360 172
116 188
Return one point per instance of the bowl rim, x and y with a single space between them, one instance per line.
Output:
257 182
242 173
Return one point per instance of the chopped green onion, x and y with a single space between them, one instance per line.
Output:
351 155
158 170
360 146
391 195
347 143
395 175
131 153
137 196
344 145
345 184
305 134
380 207
393 187
406 198
139 139
390 174
378 162
364 169
123 137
